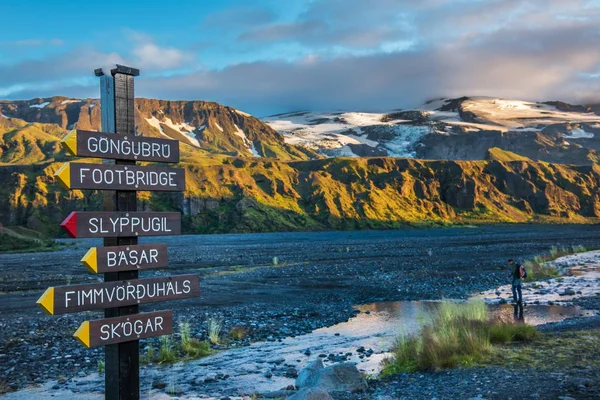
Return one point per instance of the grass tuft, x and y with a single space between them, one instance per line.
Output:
214 330
459 334
538 267
238 332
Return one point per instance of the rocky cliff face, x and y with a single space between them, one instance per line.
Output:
242 195
205 126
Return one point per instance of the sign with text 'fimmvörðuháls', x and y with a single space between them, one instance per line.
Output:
94 296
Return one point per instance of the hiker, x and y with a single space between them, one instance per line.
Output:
517 273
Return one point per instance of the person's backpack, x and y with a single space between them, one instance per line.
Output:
522 272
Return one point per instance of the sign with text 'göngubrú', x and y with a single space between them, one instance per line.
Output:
125 258
120 177
89 224
120 147
76 298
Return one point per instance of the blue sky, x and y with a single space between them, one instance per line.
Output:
267 56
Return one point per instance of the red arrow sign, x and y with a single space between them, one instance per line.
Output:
118 224
70 224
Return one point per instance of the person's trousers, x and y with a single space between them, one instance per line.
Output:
516 291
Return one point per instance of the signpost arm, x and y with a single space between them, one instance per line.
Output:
122 359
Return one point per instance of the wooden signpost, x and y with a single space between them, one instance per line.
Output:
120 225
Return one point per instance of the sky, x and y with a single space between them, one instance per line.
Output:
272 56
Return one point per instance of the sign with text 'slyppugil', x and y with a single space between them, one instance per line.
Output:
120 177
77 298
125 258
101 332
89 224
121 147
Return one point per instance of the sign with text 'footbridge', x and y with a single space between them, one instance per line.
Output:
120 177
121 147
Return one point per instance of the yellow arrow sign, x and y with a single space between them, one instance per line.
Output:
69 143
46 301
83 333
90 260
64 175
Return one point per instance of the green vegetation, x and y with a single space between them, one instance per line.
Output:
214 330
553 351
498 154
538 267
238 332
170 351
15 243
459 334
100 366
234 194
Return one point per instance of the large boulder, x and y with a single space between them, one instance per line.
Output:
311 394
336 378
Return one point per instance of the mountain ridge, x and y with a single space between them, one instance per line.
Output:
462 128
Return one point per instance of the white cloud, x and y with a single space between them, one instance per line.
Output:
151 56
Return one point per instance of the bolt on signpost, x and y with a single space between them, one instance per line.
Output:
120 224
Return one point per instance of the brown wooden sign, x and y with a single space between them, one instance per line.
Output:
121 224
120 177
101 332
77 298
121 147
125 258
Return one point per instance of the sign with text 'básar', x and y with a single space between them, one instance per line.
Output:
84 224
120 177
101 332
77 298
125 258
121 147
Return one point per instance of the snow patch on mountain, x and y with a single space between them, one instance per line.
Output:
184 128
41 105
154 122
242 113
69 101
579 134
247 142
335 133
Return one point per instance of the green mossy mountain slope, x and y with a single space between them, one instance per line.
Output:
227 194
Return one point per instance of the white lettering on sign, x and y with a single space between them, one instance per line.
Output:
131 257
128 177
104 145
125 329
126 292
128 224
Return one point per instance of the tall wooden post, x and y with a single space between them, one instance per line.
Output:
122 377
